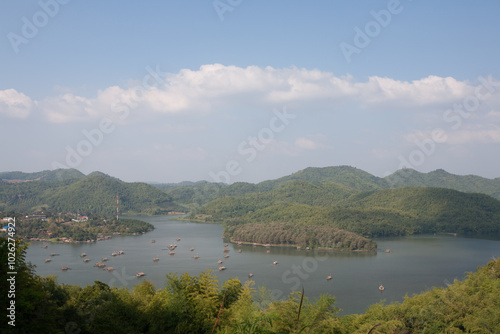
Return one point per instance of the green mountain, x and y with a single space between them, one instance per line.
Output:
46 175
442 179
93 194
200 193
385 212
345 175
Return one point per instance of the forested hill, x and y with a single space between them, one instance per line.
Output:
354 179
442 179
344 175
386 212
93 194
46 175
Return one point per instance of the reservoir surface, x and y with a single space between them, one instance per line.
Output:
414 264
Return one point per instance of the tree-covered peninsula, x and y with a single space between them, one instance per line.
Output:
75 228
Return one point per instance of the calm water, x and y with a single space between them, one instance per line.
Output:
414 265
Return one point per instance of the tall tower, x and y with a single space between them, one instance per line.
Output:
117 201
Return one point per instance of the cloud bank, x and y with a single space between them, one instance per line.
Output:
217 87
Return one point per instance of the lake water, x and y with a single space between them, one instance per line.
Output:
415 263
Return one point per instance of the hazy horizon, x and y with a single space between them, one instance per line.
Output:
212 180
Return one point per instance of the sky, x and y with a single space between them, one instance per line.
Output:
249 90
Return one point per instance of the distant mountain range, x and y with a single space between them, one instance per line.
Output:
71 191
333 207
46 175
348 178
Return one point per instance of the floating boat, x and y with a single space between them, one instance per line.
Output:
387 250
329 277
86 260
47 260
114 254
52 254
250 275
178 239
64 268
153 241
105 259
219 262
222 268
140 274
109 269
196 257
239 250
381 288
44 246
83 254
275 262
172 253
226 249
226 256
121 252
100 264
155 259
191 249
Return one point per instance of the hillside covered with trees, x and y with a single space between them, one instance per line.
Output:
56 228
93 194
351 178
339 201
388 212
198 304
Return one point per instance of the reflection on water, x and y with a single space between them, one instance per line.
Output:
414 264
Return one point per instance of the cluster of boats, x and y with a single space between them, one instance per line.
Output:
98 264
172 248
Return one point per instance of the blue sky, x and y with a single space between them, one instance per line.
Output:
240 90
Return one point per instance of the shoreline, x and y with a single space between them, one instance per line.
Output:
239 242
65 240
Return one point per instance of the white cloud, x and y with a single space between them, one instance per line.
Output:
15 104
310 142
216 87
494 115
470 134
482 134
306 144
65 108
430 90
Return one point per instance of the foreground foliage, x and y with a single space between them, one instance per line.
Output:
197 304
